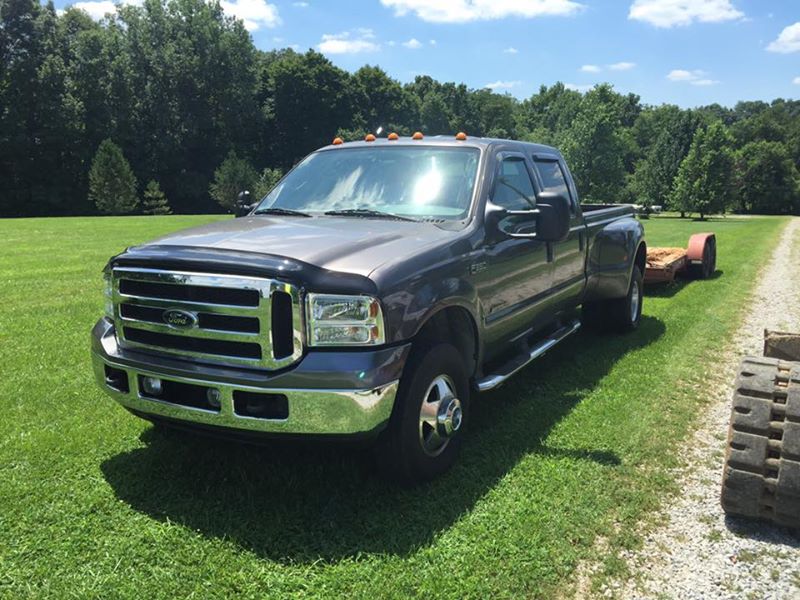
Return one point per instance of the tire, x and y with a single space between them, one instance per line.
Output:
761 477
709 265
620 314
412 451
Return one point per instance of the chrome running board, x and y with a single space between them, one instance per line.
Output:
494 380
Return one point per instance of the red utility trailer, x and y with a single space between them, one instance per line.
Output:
698 260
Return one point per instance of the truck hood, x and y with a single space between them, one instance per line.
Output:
345 244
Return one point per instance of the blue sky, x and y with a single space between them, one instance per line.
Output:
687 52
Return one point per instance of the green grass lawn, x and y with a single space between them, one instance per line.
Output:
95 503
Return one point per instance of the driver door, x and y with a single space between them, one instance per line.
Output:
517 278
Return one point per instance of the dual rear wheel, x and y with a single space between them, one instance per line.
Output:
620 314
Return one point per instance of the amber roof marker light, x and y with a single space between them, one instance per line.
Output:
337 141
392 137
417 135
461 136
369 138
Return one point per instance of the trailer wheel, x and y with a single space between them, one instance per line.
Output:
702 255
761 478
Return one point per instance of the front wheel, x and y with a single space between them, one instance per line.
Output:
424 436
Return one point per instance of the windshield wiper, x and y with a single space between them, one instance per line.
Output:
367 212
277 210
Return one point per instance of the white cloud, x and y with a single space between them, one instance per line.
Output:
255 14
695 77
432 42
682 75
672 13
348 42
97 10
578 87
463 11
788 41
511 50
413 44
502 85
622 66
796 81
300 4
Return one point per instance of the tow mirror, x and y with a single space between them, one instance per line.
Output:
554 217
548 222
243 205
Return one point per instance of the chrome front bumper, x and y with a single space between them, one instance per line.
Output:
310 411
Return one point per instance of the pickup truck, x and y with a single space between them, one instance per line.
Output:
371 294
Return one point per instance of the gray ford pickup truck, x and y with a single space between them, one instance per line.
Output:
372 293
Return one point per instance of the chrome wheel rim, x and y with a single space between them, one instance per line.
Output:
440 416
635 299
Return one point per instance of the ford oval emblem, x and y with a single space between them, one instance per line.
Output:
179 319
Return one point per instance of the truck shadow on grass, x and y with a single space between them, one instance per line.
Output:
670 289
303 503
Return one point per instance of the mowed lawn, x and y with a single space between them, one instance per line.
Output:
95 503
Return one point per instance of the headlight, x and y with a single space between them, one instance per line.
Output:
335 320
108 293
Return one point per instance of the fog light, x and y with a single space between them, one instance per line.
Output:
152 386
214 397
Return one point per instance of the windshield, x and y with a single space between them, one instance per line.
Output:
420 181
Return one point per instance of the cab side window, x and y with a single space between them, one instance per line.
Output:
513 189
553 179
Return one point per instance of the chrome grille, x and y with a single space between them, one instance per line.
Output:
229 319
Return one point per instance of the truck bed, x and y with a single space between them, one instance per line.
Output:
594 213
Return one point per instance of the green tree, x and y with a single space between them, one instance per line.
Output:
594 146
653 177
434 116
21 53
766 179
266 181
547 114
112 186
306 101
496 113
57 128
155 202
703 184
384 102
234 175
192 73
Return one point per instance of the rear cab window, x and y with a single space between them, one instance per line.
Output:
553 178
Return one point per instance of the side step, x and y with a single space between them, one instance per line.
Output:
494 380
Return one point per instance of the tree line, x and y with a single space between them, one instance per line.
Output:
169 106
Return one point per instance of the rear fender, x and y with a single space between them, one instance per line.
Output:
612 256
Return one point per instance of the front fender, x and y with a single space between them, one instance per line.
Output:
407 310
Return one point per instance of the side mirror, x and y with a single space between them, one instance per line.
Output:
554 217
243 204
548 222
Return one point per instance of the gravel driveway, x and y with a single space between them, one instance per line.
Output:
699 553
